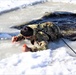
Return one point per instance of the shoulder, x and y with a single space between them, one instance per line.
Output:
42 36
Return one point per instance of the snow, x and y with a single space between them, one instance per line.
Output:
47 62
10 4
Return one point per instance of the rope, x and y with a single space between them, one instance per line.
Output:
59 33
68 46
64 40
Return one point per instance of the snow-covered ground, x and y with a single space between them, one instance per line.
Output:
48 62
16 4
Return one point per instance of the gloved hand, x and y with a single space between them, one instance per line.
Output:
25 48
14 39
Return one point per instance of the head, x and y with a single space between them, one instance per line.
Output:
27 32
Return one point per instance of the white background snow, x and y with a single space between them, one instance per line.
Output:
60 61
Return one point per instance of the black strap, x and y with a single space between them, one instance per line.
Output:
69 46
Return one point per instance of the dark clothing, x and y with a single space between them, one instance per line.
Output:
45 32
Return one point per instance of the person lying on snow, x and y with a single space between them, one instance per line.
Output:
42 34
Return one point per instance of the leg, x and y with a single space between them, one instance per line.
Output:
72 37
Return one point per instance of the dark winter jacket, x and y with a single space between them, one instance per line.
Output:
46 32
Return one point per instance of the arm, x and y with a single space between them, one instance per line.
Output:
41 42
39 46
17 38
